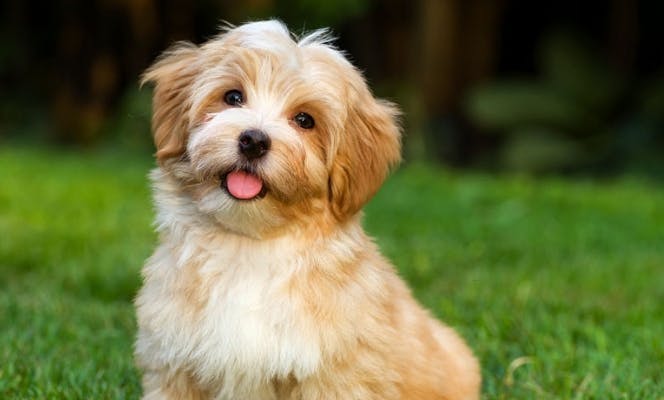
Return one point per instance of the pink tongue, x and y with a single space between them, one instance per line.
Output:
243 185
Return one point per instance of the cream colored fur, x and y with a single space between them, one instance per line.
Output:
280 297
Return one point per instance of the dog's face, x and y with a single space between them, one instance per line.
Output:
262 131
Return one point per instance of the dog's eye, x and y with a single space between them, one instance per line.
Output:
304 121
233 98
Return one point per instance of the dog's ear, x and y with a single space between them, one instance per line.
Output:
172 75
369 147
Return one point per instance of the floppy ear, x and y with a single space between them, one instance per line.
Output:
369 148
172 74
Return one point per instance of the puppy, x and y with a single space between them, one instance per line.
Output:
264 285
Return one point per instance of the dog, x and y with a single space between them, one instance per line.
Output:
264 284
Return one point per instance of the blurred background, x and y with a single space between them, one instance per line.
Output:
565 87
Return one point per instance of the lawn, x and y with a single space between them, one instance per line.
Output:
558 286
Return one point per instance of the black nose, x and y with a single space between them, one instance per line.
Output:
254 143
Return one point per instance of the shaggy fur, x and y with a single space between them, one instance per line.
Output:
282 296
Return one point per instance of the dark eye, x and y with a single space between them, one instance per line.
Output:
304 121
233 98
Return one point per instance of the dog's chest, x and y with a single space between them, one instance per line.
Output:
243 326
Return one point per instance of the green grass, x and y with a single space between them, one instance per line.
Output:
558 286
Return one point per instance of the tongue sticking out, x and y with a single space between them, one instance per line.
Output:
243 185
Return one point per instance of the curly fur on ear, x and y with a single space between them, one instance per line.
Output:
172 75
369 148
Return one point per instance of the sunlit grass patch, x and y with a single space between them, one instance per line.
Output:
558 286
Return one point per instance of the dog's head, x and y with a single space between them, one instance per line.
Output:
262 129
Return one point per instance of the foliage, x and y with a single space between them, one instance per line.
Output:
558 286
321 13
574 115
130 129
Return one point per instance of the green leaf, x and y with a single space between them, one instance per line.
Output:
539 149
513 104
574 68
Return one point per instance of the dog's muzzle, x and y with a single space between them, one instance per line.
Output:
245 184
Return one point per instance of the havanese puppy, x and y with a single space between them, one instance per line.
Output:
264 285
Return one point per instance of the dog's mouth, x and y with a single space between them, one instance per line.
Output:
243 185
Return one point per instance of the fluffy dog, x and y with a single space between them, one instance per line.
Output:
264 285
